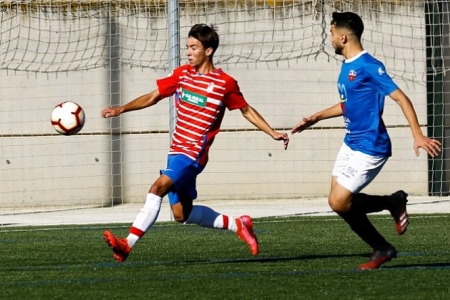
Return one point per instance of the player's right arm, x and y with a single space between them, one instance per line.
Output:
141 102
306 122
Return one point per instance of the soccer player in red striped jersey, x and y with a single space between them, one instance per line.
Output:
202 93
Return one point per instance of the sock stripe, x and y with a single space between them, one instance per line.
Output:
136 231
225 222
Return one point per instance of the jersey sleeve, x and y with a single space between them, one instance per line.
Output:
233 97
168 85
380 78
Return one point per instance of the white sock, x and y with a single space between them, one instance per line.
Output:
206 217
145 219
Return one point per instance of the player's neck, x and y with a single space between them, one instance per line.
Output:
205 67
352 51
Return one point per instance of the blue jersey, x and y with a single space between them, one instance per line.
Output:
363 84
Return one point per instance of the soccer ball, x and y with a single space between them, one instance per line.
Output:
68 118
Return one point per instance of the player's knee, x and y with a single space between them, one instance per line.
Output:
180 212
338 205
179 217
161 186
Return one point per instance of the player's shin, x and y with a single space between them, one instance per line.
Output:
145 219
207 217
362 226
370 203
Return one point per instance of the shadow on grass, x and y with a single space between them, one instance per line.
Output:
283 259
420 266
234 260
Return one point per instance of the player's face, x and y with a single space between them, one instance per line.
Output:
197 55
336 40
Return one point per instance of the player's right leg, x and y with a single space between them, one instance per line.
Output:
120 246
146 217
144 220
378 258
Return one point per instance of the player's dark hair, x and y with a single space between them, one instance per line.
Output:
207 35
350 21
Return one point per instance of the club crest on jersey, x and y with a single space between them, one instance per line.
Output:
351 75
210 87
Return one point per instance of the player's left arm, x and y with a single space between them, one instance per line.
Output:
256 119
432 146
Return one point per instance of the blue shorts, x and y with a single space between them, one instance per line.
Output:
183 172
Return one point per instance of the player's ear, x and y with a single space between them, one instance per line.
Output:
209 51
344 38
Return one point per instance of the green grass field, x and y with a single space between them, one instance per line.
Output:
300 258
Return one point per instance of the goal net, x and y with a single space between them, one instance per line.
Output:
103 53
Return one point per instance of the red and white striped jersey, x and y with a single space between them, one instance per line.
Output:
200 101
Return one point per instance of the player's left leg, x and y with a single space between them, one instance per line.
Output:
378 258
355 170
184 211
181 198
340 200
243 226
383 251
352 172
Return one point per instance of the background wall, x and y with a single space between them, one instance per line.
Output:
280 56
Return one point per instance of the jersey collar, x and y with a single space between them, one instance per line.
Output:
355 57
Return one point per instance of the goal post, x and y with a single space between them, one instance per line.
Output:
437 17
103 53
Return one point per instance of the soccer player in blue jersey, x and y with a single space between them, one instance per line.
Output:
363 85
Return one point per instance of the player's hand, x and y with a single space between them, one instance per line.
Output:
110 112
304 123
433 147
282 137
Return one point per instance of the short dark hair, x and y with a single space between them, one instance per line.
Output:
350 21
207 35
